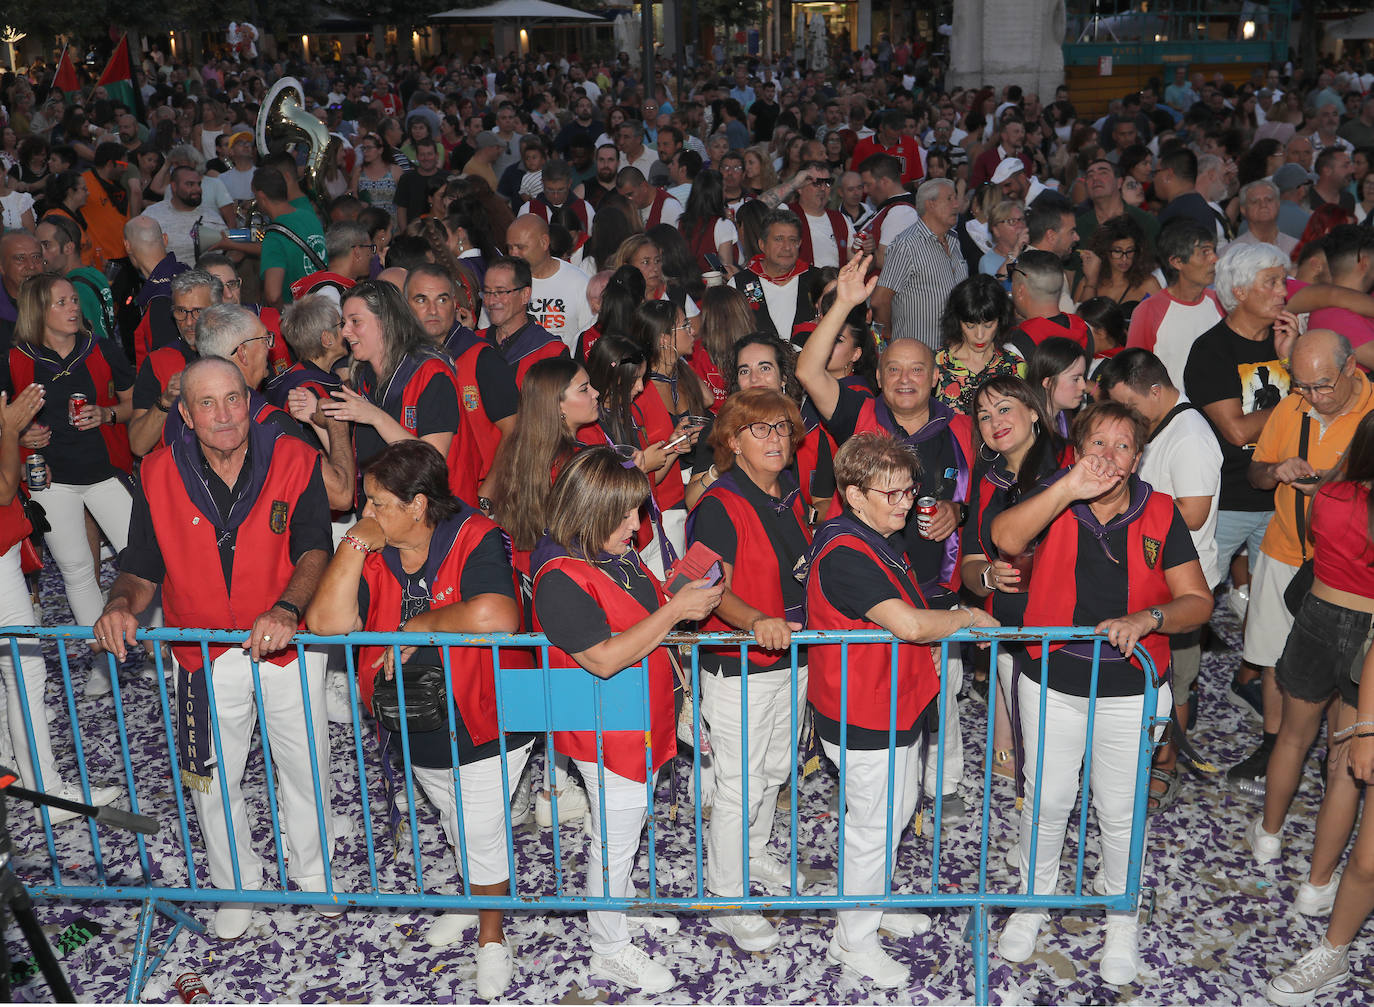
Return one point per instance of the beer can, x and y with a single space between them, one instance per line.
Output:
36 471
75 405
192 988
926 508
857 243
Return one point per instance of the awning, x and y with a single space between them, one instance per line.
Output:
514 10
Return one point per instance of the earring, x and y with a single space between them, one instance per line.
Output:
984 457
1035 428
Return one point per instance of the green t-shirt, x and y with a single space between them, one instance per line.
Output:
97 300
280 252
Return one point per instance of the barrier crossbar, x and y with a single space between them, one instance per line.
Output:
536 700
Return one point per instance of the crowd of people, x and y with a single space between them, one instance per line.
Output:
900 356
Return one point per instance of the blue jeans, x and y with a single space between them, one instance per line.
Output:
1236 528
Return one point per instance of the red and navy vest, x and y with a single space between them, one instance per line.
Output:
414 374
839 225
194 594
90 354
756 577
527 345
655 216
623 750
870 664
1053 595
477 436
471 668
1065 326
655 424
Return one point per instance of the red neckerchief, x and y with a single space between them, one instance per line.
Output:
756 267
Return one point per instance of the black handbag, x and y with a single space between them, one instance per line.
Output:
1301 585
426 704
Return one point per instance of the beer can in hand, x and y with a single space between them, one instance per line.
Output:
926 508
75 405
36 472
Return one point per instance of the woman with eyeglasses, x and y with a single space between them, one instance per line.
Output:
86 447
858 578
754 517
1007 227
604 611
1116 265
375 178
402 386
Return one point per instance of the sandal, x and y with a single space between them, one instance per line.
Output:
1003 763
1161 800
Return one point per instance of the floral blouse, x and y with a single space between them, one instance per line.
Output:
955 384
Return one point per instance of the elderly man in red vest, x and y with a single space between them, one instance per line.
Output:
825 232
233 523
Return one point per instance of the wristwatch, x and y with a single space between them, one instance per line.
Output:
1158 616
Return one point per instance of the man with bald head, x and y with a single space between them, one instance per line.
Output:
940 437
1304 437
233 524
151 307
558 297
20 257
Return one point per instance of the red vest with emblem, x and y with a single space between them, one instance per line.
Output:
477 437
1054 575
459 473
839 226
472 669
194 594
870 664
755 577
624 750
115 435
656 424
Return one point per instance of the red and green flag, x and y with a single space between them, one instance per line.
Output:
66 80
118 79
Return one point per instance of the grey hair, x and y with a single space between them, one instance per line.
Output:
1240 265
1340 355
304 321
341 237
929 190
1257 184
206 363
635 125
186 154
1209 162
222 328
184 283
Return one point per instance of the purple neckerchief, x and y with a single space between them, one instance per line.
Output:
1083 514
847 524
1061 422
459 340
937 423
524 341
277 389
619 568
159 281
41 355
190 462
440 545
396 388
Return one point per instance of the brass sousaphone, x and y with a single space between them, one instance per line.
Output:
284 122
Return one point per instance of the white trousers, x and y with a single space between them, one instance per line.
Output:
284 710
484 811
769 728
626 807
111 505
16 609
1116 741
868 804
951 681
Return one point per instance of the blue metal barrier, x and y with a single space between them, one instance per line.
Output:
538 700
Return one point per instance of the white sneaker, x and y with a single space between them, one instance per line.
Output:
663 925
449 928
495 969
906 923
232 921
773 876
521 800
337 705
633 968
1017 942
1317 900
1239 600
572 805
1266 846
344 826
315 883
749 931
100 796
98 684
876 965
1320 968
1120 962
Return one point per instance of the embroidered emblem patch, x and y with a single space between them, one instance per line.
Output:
470 398
1151 549
277 520
408 418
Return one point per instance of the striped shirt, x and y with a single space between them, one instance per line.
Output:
921 272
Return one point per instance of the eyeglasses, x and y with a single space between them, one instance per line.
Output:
894 497
270 339
823 182
370 246
503 293
762 431
182 314
1325 388
233 284
1122 253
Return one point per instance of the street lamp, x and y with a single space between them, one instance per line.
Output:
10 36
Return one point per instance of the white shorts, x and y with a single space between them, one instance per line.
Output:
1268 620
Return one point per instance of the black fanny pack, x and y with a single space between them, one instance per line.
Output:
426 705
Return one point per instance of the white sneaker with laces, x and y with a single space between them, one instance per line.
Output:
906 923
1317 900
232 921
495 969
1266 846
98 684
448 928
631 967
1022 929
521 799
749 931
665 926
1120 962
337 706
572 805
773 876
1322 967
100 796
875 965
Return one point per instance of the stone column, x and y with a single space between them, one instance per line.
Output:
1001 42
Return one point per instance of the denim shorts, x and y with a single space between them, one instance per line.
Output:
1326 643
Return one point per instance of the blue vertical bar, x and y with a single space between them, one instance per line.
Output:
649 777
844 755
893 800
206 669
744 760
938 797
505 768
601 790
406 768
368 844
1087 768
322 803
267 771
794 720
122 728
37 781
172 759
549 756
81 772
455 771
1039 762
696 769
